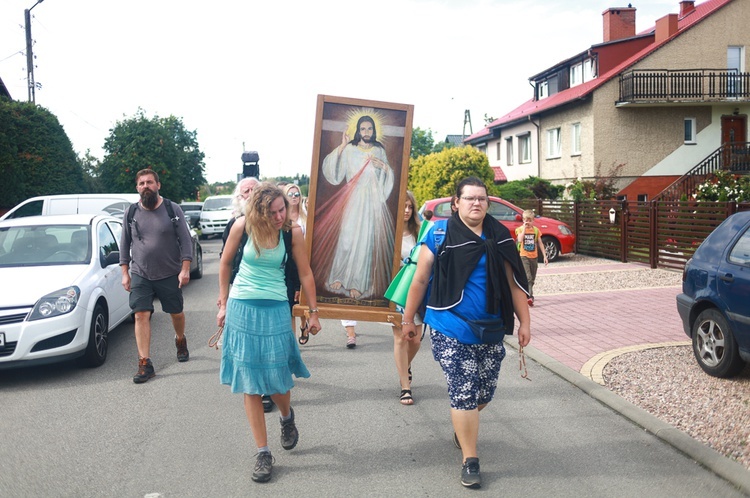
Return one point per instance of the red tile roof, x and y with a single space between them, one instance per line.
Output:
531 107
499 174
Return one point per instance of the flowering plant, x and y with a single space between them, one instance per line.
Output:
725 186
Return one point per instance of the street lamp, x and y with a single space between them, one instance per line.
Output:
30 54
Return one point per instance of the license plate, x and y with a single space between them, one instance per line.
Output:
2 340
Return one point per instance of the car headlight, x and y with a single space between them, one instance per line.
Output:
565 230
56 303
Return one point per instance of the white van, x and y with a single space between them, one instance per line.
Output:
112 204
215 214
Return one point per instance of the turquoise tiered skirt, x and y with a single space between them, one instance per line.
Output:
260 352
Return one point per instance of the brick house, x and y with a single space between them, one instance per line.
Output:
645 108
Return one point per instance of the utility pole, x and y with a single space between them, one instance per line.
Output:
30 54
467 121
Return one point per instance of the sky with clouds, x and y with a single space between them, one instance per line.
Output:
247 74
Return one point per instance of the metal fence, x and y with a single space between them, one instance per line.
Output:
662 234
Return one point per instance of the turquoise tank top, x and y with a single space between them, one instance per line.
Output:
261 276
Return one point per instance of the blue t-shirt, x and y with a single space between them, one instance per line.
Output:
473 301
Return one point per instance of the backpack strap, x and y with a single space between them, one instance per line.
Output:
287 245
130 222
170 212
439 231
131 212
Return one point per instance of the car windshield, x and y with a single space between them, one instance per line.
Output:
45 245
218 204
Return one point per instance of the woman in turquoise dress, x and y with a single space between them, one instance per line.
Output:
260 354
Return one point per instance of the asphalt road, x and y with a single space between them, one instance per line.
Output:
66 431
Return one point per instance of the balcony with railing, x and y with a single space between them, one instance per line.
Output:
657 86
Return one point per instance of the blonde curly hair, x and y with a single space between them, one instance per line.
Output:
258 216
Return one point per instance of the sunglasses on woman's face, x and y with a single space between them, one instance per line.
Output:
293 194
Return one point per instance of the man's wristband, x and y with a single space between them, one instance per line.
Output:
312 310
406 323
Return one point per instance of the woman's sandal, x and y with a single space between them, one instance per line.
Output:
304 335
406 398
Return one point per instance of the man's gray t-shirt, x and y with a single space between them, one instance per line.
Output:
156 251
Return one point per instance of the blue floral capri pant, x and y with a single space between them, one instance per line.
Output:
470 369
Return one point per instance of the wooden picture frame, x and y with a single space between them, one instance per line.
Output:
358 180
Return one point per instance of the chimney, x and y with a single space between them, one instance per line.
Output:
665 27
686 7
619 22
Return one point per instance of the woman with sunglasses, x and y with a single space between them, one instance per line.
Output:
296 213
298 216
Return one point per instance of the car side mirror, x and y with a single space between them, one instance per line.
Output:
519 217
112 258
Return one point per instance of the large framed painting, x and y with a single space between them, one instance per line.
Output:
355 205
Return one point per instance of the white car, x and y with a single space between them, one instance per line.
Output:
60 288
215 214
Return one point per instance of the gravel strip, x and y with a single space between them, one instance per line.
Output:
666 382
669 384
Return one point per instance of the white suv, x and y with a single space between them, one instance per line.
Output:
216 213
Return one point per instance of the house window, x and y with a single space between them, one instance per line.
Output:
553 143
509 151
543 90
575 139
589 70
498 148
690 131
735 59
576 74
524 149
642 197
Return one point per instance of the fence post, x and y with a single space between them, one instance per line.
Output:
576 221
653 255
624 218
540 207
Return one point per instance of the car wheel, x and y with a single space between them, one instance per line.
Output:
198 272
96 351
551 247
714 345
203 237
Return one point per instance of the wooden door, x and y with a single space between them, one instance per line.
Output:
734 140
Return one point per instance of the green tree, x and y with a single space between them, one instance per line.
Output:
90 167
161 144
436 174
302 181
36 156
422 142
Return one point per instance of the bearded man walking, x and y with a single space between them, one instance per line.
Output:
155 254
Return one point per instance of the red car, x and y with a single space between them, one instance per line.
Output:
557 236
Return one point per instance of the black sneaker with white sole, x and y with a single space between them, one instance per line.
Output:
470 473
